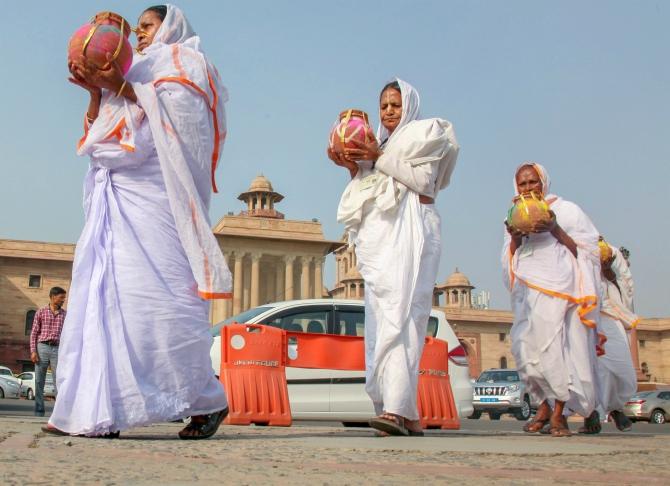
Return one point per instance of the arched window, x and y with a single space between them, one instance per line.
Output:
503 362
30 315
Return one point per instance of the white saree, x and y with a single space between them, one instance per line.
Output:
555 303
135 346
398 248
617 380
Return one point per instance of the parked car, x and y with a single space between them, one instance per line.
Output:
9 388
651 406
499 391
5 372
27 382
321 394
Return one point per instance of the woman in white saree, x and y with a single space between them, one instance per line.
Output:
388 210
616 372
135 345
553 274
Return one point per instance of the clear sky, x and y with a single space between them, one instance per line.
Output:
582 87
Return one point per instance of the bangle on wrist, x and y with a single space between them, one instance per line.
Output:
121 88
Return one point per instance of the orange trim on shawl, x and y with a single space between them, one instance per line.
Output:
586 304
183 79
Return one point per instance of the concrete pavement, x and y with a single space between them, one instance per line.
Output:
326 454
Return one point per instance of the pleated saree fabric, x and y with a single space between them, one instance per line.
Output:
135 346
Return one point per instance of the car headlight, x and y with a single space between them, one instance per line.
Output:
512 388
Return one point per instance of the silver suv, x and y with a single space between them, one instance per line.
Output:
499 391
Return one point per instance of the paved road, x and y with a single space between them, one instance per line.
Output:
483 452
22 407
483 426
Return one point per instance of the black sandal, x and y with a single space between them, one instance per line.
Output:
591 424
622 422
394 425
204 426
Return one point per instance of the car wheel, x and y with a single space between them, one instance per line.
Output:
475 414
494 415
523 413
30 395
657 417
355 424
2 393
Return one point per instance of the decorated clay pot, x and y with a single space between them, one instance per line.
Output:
106 34
528 210
352 125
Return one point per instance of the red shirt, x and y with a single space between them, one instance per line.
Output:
47 326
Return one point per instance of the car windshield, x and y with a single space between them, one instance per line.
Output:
495 376
243 317
4 371
640 395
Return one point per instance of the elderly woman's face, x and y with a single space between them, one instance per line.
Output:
390 109
147 27
528 180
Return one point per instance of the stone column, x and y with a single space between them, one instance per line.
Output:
304 278
270 285
246 288
288 280
255 280
237 283
635 355
318 277
279 281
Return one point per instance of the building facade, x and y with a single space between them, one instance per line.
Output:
272 259
28 270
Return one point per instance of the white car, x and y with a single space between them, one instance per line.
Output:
7 374
320 394
8 387
27 381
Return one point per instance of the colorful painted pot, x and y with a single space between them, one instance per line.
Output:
102 36
352 125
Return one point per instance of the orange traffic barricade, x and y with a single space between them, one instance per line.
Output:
325 351
254 376
253 372
435 400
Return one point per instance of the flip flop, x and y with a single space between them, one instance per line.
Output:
535 426
50 429
622 422
560 432
391 427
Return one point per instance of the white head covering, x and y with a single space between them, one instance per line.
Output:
541 171
175 28
410 108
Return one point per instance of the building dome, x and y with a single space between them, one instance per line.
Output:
260 184
260 199
457 279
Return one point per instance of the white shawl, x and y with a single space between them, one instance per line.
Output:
617 302
183 98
